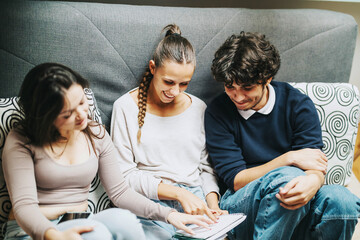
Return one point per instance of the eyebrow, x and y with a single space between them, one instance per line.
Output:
71 110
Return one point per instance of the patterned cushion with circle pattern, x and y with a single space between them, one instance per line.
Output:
10 115
337 105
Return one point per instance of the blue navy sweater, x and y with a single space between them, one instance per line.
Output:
235 144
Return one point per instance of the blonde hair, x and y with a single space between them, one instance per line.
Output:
172 47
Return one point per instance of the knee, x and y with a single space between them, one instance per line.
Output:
279 177
338 200
116 215
121 222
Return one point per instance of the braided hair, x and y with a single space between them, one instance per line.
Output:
172 47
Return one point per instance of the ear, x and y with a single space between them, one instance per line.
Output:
152 66
268 81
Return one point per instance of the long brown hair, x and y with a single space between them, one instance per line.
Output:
41 99
172 47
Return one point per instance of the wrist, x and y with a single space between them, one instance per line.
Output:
212 200
289 158
317 175
179 193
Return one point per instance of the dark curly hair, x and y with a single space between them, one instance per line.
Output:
247 58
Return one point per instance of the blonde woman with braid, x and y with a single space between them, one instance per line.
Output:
158 132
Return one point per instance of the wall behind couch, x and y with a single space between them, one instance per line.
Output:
352 8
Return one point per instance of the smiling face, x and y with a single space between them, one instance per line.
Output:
74 114
169 80
247 97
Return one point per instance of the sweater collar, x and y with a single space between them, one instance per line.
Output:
266 110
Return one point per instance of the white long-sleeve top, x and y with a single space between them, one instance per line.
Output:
172 149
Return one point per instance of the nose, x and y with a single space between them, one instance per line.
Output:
80 113
238 96
175 90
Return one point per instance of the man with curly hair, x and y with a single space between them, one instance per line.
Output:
264 138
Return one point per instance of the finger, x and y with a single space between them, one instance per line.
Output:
291 201
187 209
224 212
197 211
284 190
202 222
83 229
209 213
186 229
292 207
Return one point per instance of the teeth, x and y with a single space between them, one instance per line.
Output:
168 95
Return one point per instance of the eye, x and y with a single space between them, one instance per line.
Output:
247 88
184 83
229 87
168 82
67 116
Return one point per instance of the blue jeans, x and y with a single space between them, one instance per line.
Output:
155 230
109 224
331 214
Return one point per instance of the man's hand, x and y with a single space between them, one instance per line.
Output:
299 191
308 159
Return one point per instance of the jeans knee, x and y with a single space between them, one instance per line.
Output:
338 201
116 215
279 177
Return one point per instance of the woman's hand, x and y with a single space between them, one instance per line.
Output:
217 211
179 220
212 200
194 205
70 234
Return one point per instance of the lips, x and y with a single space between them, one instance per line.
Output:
241 103
81 122
168 96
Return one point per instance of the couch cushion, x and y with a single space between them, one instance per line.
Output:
337 105
10 115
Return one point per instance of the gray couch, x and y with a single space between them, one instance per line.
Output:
110 44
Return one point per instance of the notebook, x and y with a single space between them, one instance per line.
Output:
218 230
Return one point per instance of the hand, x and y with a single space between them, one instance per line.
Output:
179 220
309 159
194 205
299 191
212 200
70 234
217 211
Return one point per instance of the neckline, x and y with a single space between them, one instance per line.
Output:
72 165
157 116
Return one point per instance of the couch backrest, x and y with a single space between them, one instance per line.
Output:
110 44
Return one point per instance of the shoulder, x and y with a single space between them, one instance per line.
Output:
285 89
287 94
16 140
197 102
221 104
15 135
124 101
100 137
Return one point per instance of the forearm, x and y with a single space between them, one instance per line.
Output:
168 192
248 175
